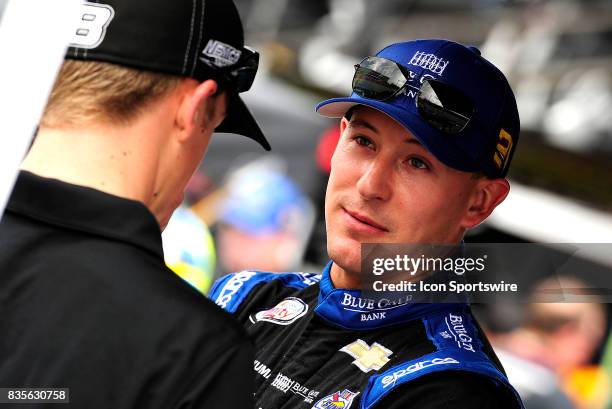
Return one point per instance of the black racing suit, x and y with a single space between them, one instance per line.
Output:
322 347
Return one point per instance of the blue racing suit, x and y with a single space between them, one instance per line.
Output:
322 347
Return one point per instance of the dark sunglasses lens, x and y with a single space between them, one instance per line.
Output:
244 78
444 107
377 78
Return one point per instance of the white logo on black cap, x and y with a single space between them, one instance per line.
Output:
220 54
91 28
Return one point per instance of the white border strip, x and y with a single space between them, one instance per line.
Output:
34 35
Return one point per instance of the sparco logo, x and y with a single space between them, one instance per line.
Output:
459 333
429 62
232 287
220 54
393 378
309 279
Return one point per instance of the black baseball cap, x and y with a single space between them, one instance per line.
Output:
201 39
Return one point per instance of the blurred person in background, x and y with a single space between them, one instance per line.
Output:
264 221
547 353
87 301
427 137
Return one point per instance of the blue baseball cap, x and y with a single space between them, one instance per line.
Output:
488 141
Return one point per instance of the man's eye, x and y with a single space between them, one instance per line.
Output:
363 141
417 163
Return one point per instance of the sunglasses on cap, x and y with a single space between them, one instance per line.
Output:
440 105
239 77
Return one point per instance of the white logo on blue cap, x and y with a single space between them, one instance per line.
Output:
429 61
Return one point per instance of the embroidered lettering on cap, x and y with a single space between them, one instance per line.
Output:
503 149
91 28
429 62
220 54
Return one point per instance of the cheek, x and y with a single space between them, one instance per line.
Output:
338 187
331 198
339 179
346 166
428 212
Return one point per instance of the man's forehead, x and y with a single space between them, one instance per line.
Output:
379 122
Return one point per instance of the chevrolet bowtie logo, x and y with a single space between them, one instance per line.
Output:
366 357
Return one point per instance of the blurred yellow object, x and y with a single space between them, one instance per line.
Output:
588 386
189 249
193 275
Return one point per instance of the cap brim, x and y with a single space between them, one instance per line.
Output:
239 120
434 141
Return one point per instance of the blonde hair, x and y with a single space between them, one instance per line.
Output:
96 92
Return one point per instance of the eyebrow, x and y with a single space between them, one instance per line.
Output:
414 142
363 124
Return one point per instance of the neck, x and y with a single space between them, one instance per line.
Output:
115 160
351 280
344 279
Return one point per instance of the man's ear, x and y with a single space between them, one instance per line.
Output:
191 116
486 196
344 123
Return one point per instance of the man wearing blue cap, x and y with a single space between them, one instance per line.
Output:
427 137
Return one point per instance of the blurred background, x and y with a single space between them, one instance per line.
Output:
246 209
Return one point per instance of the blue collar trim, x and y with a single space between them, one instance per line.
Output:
349 309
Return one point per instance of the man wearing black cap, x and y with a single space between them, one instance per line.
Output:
426 139
86 301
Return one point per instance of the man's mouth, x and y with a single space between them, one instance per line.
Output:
364 222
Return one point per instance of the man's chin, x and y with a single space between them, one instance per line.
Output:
347 256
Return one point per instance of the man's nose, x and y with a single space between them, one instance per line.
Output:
375 181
